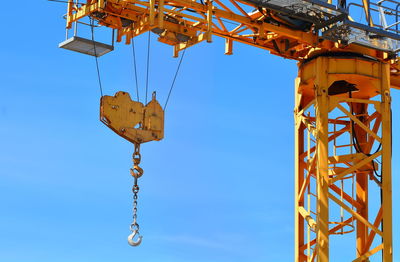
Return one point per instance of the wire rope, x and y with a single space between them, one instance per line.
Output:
95 56
173 81
135 70
148 65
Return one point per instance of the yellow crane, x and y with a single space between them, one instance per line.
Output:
346 70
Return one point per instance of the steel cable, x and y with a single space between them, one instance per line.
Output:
95 56
135 70
148 65
176 74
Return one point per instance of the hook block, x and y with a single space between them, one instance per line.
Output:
132 120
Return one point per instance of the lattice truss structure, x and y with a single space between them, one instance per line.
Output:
183 23
343 159
288 28
342 112
346 163
293 29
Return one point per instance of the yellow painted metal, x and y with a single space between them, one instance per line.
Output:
367 12
228 47
197 18
321 112
136 10
321 64
132 120
209 20
368 254
298 44
358 114
152 12
307 216
386 164
101 4
356 166
161 14
299 176
69 13
360 218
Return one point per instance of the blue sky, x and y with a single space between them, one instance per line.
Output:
219 187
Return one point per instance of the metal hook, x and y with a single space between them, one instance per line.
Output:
131 237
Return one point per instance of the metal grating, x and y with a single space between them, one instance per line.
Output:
86 46
350 32
314 11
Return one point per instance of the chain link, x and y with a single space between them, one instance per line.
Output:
135 190
136 172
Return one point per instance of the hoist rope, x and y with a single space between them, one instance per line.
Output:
148 65
95 56
176 74
134 66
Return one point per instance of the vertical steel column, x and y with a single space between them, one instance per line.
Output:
322 110
386 164
322 102
299 176
360 110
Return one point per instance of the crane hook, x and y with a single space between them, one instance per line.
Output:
132 242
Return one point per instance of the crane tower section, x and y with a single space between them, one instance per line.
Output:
347 60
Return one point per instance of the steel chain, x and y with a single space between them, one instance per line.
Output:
136 172
135 190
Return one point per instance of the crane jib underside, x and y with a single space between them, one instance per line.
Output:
292 29
313 16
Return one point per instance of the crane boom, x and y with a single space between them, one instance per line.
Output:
184 23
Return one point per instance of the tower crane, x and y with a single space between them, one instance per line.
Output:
343 121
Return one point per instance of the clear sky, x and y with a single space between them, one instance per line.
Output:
218 188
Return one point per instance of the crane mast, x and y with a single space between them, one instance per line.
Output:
343 122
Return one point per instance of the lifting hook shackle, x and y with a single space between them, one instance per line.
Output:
132 242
